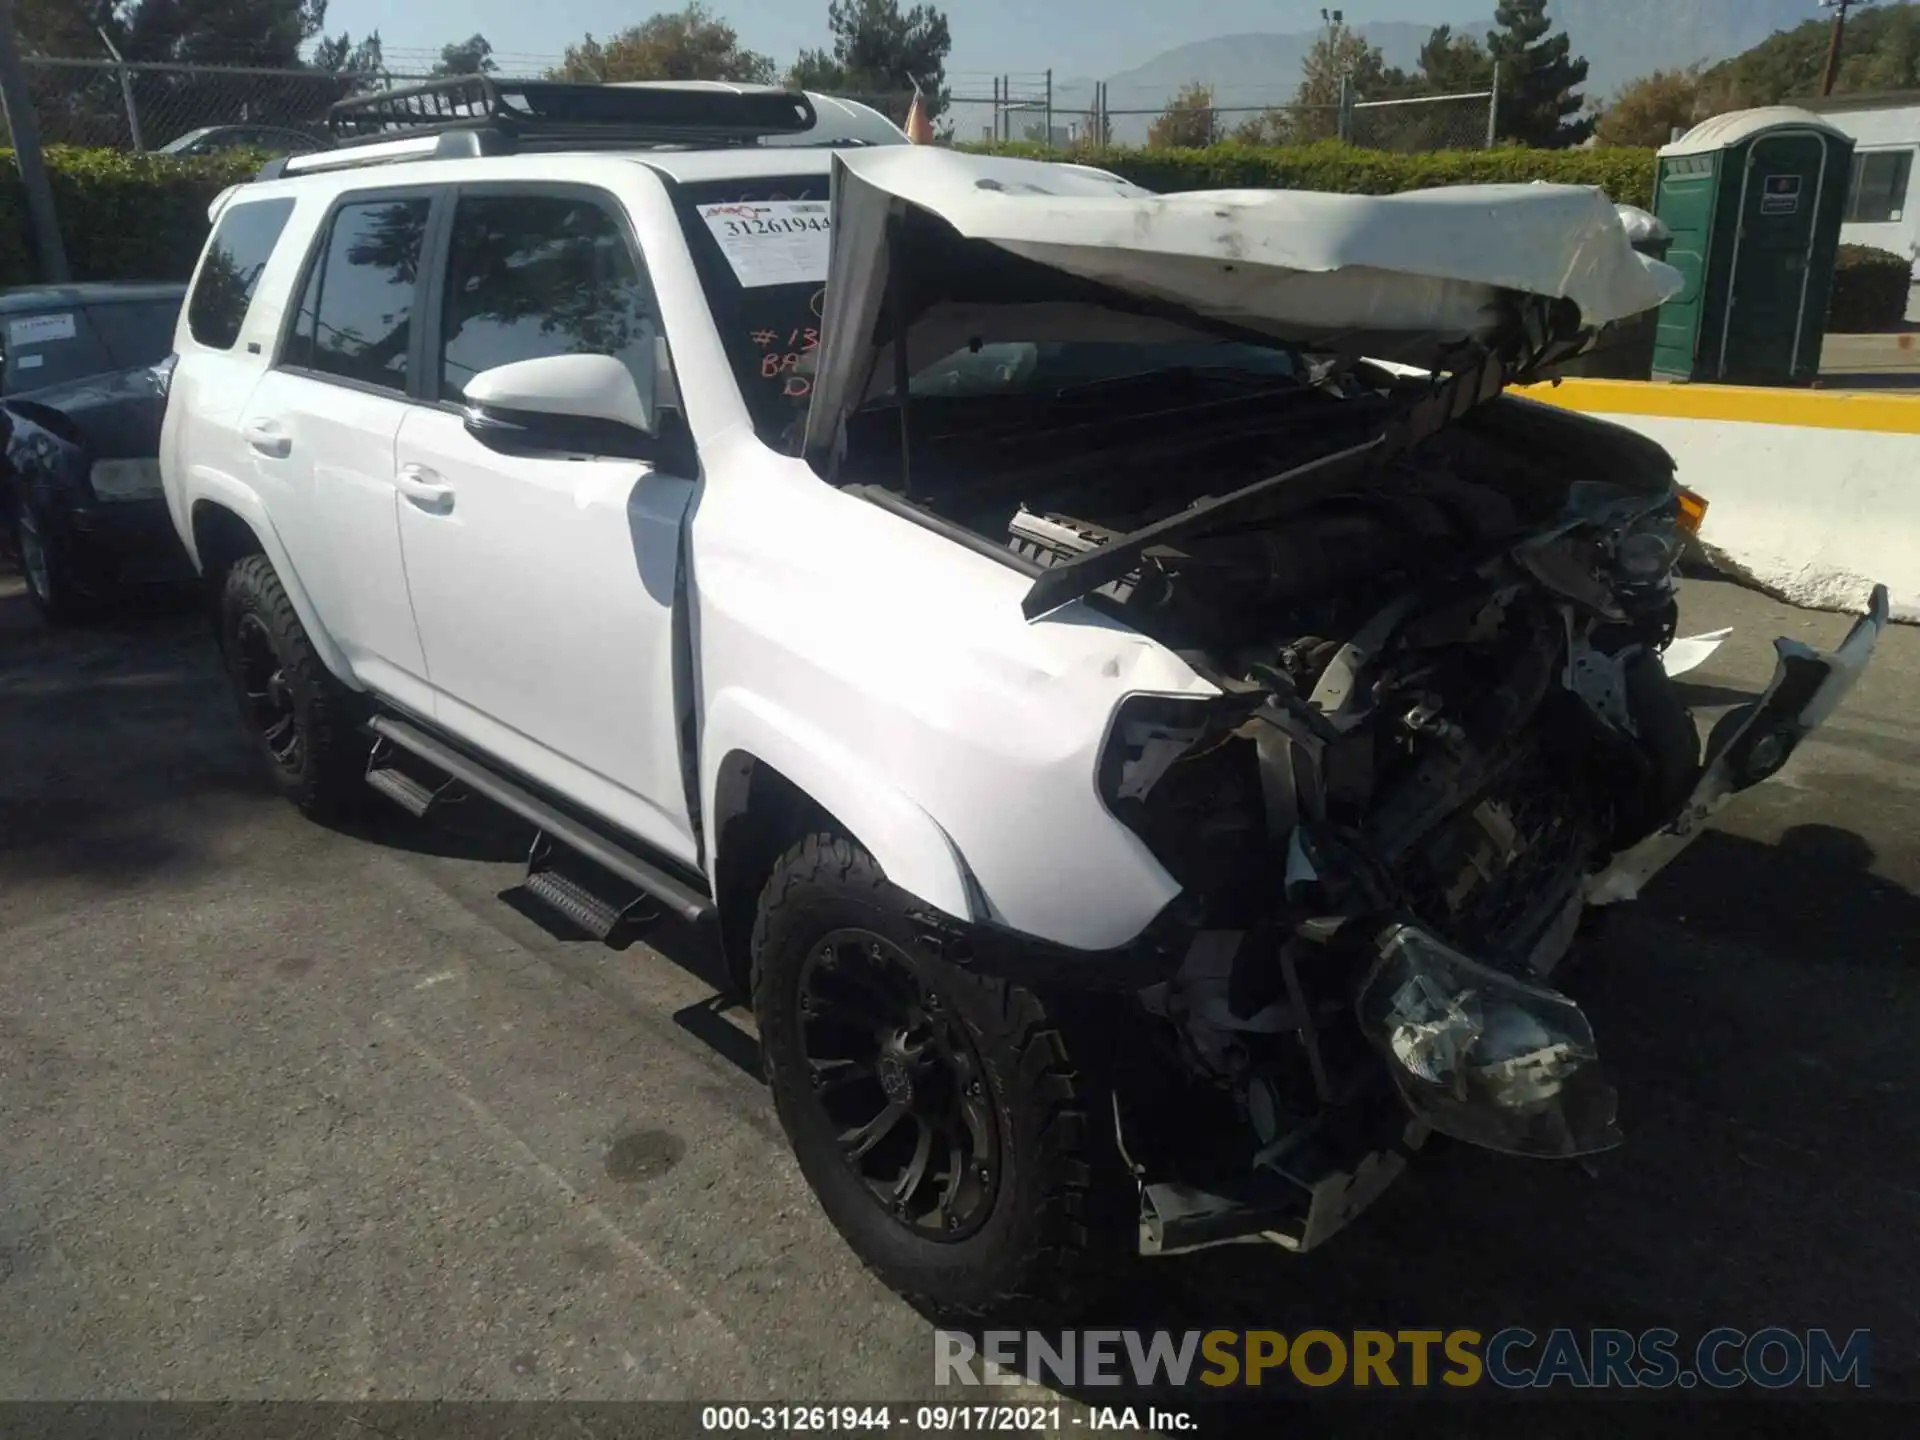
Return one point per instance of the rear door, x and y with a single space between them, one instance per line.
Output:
545 586
322 426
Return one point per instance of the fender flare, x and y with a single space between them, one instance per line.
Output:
226 493
912 849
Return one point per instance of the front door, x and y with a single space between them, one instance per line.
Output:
1765 327
545 587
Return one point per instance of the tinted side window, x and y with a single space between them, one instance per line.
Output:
537 275
356 317
242 243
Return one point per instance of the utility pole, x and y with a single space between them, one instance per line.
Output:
1839 8
17 101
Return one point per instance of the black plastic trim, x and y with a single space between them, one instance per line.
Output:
1005 954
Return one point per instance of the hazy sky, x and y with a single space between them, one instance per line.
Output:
1074 37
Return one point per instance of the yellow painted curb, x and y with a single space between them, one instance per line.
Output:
1746 404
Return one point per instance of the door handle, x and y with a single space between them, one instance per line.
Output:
423 487
267 438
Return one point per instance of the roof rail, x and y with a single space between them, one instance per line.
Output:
562 113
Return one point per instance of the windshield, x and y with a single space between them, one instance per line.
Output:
68 343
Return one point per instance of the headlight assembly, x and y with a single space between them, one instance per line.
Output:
1484 1057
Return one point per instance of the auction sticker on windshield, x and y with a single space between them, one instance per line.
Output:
41 329
771 242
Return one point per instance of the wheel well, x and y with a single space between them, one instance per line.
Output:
759 814
221 539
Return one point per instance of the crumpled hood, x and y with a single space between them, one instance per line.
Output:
1394 277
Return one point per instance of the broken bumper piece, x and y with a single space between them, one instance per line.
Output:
1304 1189
1806 689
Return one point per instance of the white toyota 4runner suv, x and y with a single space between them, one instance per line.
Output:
1144 711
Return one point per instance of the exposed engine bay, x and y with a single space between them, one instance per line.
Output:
1455 661
1443 710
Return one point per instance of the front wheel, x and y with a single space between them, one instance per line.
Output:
302 721
950 1133
51 585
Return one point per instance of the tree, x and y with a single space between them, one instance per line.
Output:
881 52
818 71
62 27
1540 77
218 32
1187 122
1453 64
1881 51
471 56
342 55
689 44
1340 66
1647 112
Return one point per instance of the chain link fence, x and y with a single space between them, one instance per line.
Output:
148 106
1433 122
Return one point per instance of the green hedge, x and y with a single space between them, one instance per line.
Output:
1625 175
1869 290
143 217
123 216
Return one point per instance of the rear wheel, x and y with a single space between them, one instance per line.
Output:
301 720
947 1127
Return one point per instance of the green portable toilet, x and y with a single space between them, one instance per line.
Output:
1754 200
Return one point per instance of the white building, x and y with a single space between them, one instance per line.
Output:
1880 210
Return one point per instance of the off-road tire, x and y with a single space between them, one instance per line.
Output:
329 780
1061 1205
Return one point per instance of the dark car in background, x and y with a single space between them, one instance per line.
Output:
83 389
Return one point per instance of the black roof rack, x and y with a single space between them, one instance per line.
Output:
557 113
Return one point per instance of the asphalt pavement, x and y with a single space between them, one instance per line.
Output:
287 1112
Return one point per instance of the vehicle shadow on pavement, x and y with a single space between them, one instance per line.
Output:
457 828
1702 695
106 727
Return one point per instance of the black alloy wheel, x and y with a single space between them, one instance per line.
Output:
266 694
901 1084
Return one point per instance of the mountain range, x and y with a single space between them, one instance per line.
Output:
1621 40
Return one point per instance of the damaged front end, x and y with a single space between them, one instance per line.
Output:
1270 431
1393 838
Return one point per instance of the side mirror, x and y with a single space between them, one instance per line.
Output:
574 404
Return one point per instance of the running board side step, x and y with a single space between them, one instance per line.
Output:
673 894
387 776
